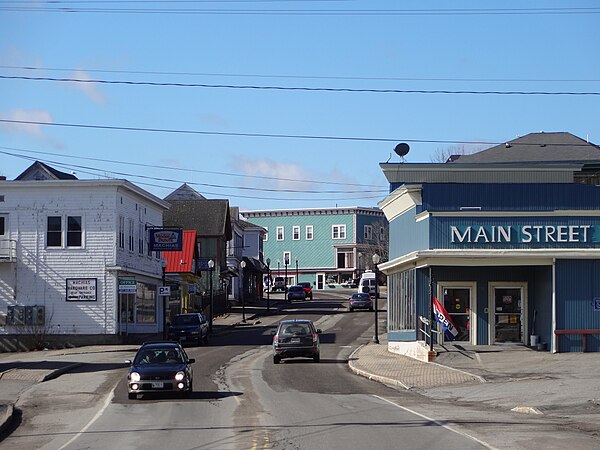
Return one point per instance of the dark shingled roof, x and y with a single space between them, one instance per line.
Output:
537 147
207 217
40 171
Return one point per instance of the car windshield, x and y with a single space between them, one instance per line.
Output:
305 285
296 288
170 355
191 319
360 296
295 329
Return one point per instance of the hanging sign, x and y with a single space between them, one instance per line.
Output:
165 239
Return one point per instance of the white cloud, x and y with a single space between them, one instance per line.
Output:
89 89
34 130
283 171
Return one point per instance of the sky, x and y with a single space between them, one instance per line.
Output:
286 104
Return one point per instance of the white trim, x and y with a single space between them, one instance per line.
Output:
294 229
312 232
282 229
554 338
556 212
400 201
339 227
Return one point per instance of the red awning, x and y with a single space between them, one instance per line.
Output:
183 261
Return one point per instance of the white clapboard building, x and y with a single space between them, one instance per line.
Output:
75 264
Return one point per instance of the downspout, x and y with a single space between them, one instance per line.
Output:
554 337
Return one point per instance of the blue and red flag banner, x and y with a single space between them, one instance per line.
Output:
443 318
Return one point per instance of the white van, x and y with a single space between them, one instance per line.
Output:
367 283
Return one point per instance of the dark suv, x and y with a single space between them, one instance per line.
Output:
295 338
307 289
191 327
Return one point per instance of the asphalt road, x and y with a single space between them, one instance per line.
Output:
241 400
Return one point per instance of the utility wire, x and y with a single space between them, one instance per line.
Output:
308 77
283 136
283 88
128 163
102 174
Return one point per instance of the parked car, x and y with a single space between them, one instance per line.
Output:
296 338
296 293
279 284
190 327
360 301
367 283
307 289
160 367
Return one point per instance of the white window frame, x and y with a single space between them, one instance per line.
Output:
64 231
280 233
368 232
338 231
266 238
296 232
131 235
310 232
289 257
121 233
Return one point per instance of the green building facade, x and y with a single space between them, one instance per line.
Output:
321 245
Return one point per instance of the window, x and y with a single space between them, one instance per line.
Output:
121 241
338 231
266 238
382 234
368 232
2 226
54 232
309 233
141 239
345 259
296 233
287 257
131 239
74 231
280 235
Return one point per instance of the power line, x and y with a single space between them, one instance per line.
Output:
128 163
283 88
102 174
63 7
309 77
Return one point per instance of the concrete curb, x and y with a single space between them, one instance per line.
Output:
372 376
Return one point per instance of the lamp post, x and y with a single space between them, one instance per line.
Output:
269 284
163 263
375 262
211 266
297 277
286 262
243 266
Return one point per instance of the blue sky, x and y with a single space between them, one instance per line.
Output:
415 45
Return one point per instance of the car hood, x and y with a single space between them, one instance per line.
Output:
184 327
158 369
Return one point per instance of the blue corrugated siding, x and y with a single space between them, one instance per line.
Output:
577 285
510 197
407 235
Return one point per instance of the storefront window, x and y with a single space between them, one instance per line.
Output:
402 301
146 303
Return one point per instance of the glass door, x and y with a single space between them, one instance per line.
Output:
508 315
457 302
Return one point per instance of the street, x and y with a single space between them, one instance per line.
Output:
241 399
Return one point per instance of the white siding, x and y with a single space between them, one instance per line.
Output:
39 275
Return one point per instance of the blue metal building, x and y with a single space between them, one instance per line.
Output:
508 241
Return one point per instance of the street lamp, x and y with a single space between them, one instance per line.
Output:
297 278
286 262
269 284
163 264
375 262
243 266
211 266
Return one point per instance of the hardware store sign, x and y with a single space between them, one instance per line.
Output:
81 289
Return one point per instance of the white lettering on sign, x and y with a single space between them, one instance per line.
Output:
165 237
525 234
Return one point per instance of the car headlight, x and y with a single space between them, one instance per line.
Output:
134 376
179 376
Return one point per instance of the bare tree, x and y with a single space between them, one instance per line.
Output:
377 244
443 155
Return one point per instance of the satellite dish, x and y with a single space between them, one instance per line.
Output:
402 149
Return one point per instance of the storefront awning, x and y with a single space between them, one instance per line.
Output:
183 261
255 265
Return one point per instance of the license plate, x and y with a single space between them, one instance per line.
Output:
295 340
157 385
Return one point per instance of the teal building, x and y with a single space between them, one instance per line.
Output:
321 245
